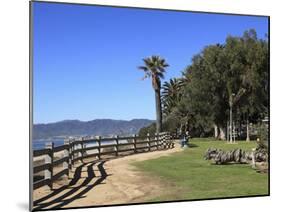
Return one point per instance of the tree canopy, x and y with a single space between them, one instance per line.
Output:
232 74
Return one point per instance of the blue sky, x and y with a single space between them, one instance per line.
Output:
86 57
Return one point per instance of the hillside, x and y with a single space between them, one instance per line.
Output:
103 127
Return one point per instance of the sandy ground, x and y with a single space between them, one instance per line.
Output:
108 182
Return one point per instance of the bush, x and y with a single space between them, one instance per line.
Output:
151 129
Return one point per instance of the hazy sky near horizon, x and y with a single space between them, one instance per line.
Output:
86 57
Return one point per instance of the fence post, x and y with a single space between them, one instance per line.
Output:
49 158
82 149
135 143
117 143
157 140
79 148
165 140
74 147
99 140
72 154
162 140
169 140
148 141
66 164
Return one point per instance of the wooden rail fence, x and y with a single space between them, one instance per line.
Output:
79 149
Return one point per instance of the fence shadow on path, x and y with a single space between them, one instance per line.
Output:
79 189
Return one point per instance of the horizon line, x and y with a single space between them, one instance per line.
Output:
65 120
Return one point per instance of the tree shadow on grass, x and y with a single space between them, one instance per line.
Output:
192 145
230 163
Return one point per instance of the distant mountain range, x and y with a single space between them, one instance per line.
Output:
102 127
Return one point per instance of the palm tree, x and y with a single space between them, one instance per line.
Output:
154 67
171 94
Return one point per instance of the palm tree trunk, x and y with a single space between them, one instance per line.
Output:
158 111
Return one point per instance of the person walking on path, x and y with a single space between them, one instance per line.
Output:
187 136
183 139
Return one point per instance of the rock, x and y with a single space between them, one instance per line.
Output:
237 156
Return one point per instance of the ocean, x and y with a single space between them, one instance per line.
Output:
41 143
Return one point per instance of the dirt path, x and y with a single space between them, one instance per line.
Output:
106 182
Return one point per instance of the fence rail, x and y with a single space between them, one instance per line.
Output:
77 150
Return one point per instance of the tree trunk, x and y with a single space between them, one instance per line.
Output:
216 133
186 126
158 111
240 129
180 129
222 133
230 125
248 131
227 131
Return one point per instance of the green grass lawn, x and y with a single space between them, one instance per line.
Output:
188 176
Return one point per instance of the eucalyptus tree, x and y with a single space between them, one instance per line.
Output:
154 68
240 75
199 94
215 63
255 78
235 75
